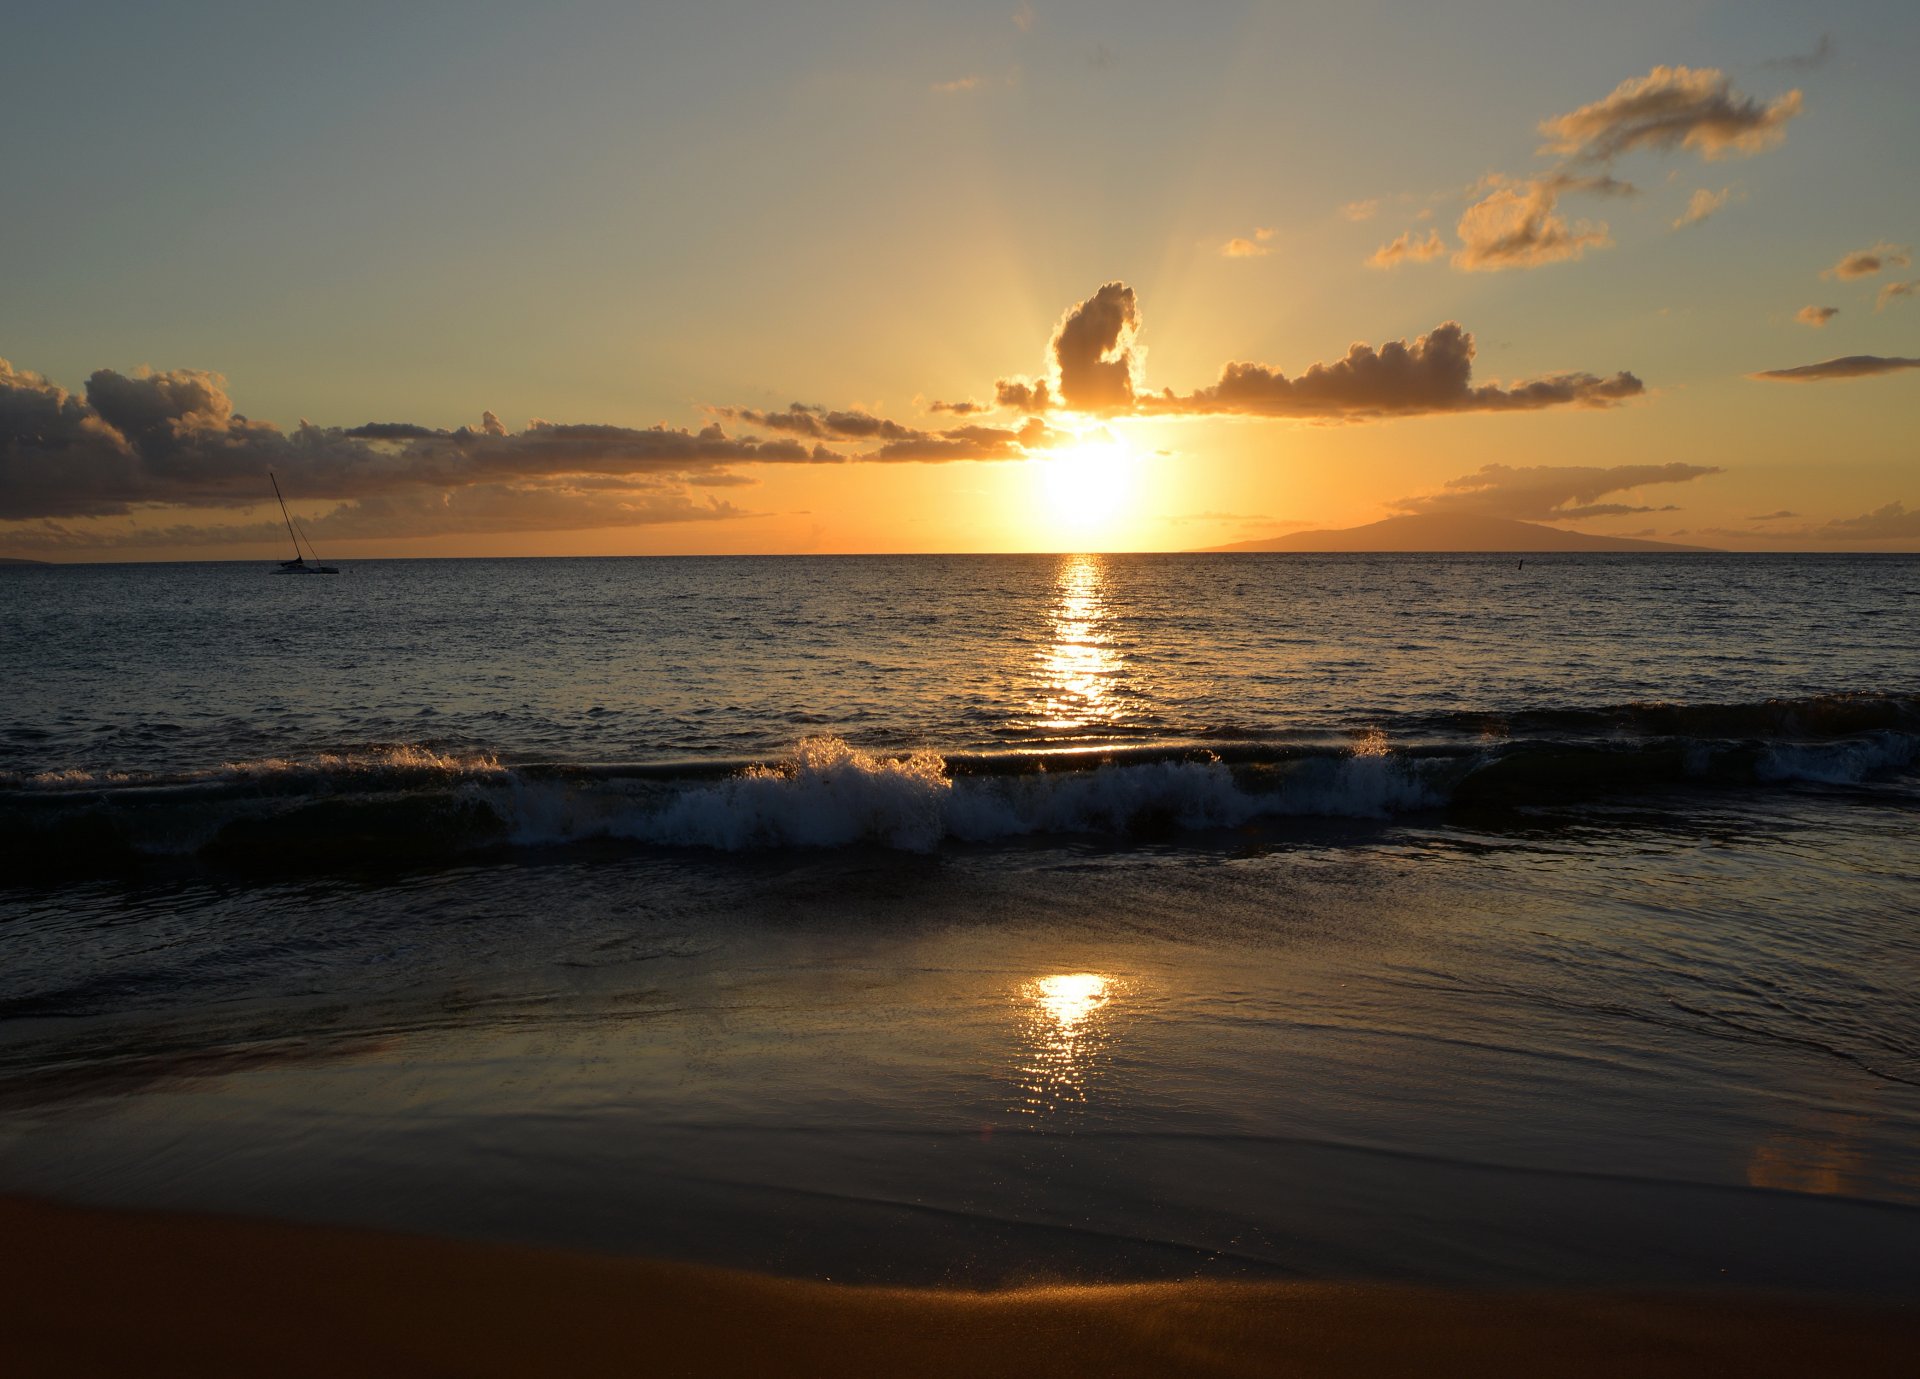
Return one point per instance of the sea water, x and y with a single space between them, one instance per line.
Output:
977 919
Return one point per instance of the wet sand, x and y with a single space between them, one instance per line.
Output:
92 1292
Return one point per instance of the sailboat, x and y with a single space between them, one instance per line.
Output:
298 565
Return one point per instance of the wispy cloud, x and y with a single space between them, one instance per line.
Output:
1516 226
959 85
1406 249
1849 366
1672 107
1891 291
1550 493
1700 205
1240 247
1361 210
1816 316
1864 263
1804 62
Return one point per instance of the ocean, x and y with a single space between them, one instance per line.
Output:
984 920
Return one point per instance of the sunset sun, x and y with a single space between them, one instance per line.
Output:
1089 487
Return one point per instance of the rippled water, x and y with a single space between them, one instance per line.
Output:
985 919
143 668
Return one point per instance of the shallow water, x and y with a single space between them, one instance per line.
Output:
1467 970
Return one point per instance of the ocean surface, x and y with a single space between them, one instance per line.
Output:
984 919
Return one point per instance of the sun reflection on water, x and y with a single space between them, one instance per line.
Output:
1079 670
1066 1030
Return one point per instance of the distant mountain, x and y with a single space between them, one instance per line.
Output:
16 560
1451 532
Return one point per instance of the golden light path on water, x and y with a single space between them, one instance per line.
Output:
1067 1024
1080 670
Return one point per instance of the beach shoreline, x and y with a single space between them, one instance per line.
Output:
89 1291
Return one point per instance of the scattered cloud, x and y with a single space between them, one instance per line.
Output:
820 424
1551 493
1804 62
1671 107
965 408
1816 316
1892 290
1361 210
1240 247
1406 248
1849 366
1097 368
1773 516
1433 374
1700 205
1864 263
1023 19
1895 521
959 85
1515 226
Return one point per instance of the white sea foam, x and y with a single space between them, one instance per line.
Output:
827 793
1839 763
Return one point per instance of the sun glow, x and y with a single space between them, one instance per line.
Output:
1090 487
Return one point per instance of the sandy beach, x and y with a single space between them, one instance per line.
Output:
93 1292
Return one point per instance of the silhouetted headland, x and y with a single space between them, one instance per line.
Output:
1444 532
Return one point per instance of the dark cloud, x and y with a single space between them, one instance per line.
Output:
1804 62
1864 263
1550 492
822 424
1672 107
965 408
970 443
1433 374
1848 366
1773 516
1092 358
174 439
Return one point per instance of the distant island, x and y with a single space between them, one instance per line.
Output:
16 560
1451 533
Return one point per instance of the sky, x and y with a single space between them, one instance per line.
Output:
502 279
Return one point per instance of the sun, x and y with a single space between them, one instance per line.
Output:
1089 487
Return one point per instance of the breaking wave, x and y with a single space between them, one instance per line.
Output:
403 803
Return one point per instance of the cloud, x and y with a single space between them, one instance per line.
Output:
1240 247
1864 263
1892 290
1361 210
1431 375
1804 62
964 408
958 85
1773 516
1816 316
1515 227
969 443
1406 248
174 440
1023 19
1550 493
818 423
1849 366
1671 107
1700 205
1092 356
1895 521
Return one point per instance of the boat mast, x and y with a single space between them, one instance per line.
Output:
284 514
